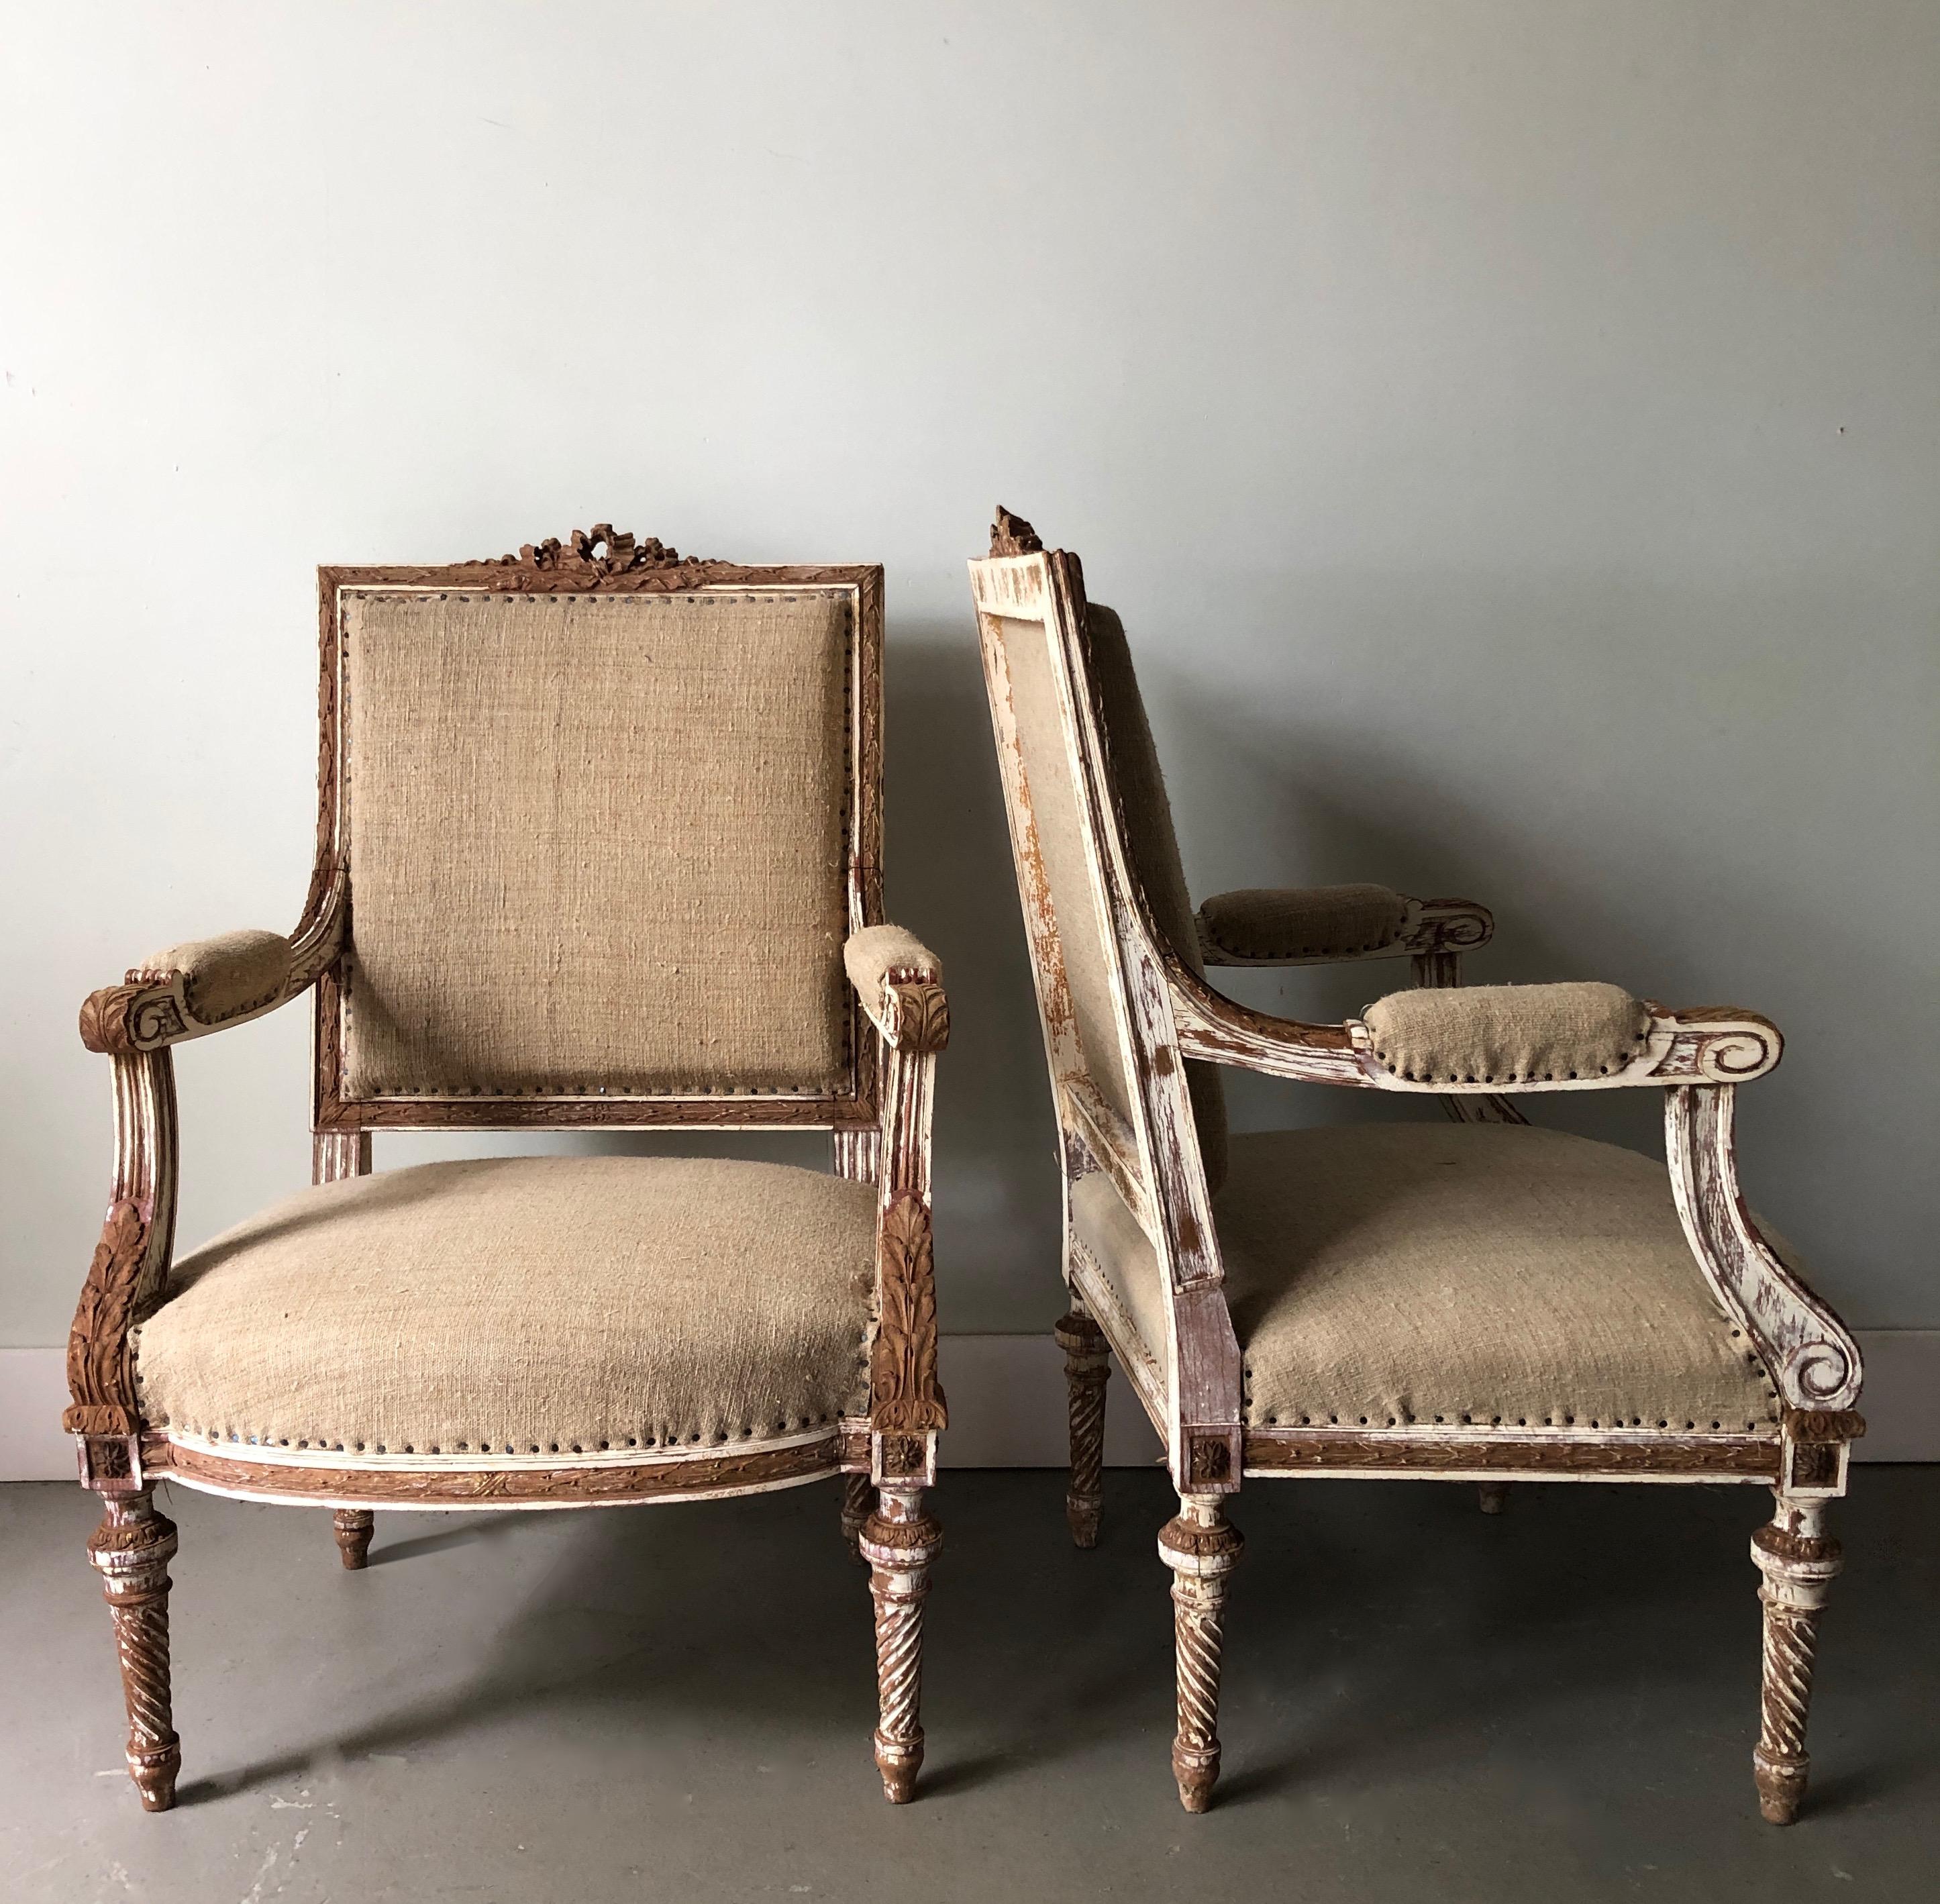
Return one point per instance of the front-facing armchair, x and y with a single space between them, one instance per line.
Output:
598 847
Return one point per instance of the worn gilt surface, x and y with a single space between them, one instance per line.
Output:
881 1126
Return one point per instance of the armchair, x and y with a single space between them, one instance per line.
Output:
1490 1303
599 828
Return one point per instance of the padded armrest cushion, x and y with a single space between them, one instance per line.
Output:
225 976
1507 1034
1311 922
876 951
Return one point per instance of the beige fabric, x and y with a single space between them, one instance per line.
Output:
1153 848
1507 1034
876 951
596 840
227 975
1386 1275
532 1304
1313 922
1120 1251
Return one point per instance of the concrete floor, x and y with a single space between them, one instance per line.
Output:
1422 1704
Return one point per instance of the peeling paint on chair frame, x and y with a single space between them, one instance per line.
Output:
1190 1386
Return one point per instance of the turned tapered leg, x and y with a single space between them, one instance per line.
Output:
1494 1495
1799 1561
131 1551
899 1542
859 1503
1202 1547
352 1526
1087 1368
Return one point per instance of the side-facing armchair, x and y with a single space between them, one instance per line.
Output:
1481 1300
599 830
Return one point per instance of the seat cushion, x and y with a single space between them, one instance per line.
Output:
1389 1274
524 1305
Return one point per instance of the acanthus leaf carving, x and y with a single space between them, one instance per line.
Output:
904 1396
919 1015
98 1378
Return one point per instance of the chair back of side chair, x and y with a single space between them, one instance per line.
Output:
1105 910
605 818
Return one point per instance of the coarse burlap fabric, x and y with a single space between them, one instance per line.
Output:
227 975
1390 1275
1507 1034
595 840
1311 922
523 1305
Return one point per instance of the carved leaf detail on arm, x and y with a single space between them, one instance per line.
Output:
904 1396
919 1015
98 1376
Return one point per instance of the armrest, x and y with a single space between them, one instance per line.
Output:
1484 1040
207 984
900 983
1325 925
1565 1037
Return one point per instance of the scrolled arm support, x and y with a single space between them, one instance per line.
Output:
900 984
208 985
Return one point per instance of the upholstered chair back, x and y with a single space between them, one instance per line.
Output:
603 845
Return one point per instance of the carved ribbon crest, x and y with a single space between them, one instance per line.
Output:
1012 535
602 550
904 1394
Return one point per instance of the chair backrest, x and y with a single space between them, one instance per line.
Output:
607 817
1106 906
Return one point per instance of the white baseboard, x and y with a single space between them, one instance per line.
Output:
1006 1405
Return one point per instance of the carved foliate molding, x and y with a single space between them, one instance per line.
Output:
98 1376
916 1015
905 1396
601 550
1012 535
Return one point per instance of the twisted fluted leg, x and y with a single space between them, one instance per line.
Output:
1087 1368
352 1526
859 1503
1202 1547
1494 1495
899 1542
1799 1561
131 1551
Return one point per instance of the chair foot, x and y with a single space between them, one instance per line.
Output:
1087 1368
899 1541
352 1526
131 1551
1494 1494
1799 1561
1202 1547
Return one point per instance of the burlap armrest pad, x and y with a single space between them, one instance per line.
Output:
1507 1034
1312 922
225 976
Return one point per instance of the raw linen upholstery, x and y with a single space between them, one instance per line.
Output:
1507 1034
1380 1275
1311 922
523 1305
233 973
1153 844
876 951
596 840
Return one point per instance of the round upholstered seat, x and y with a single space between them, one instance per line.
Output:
523 1305
1396 1275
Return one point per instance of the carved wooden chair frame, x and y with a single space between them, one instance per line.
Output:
1165 1012
879 1121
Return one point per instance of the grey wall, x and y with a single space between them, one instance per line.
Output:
1508 428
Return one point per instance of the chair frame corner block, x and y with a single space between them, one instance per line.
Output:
1164 1012
878 1119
